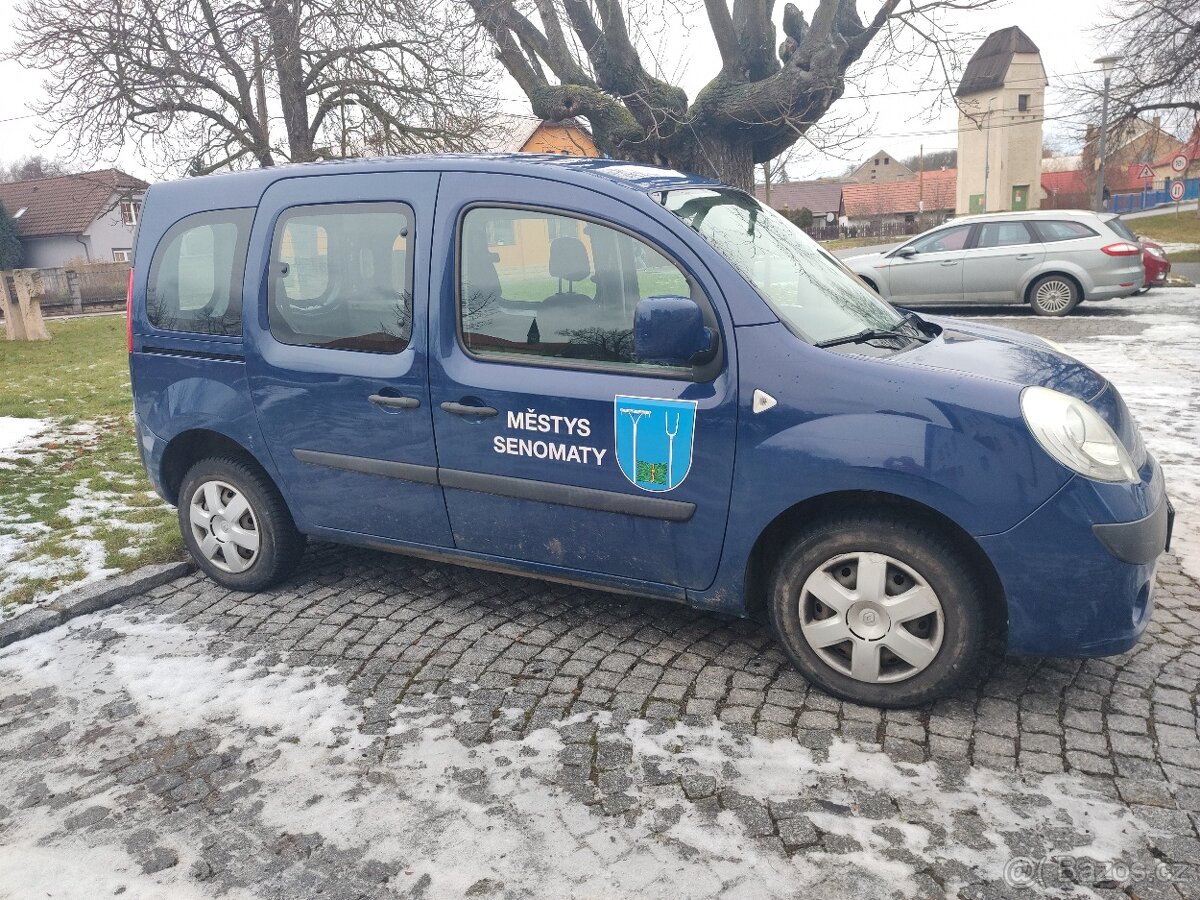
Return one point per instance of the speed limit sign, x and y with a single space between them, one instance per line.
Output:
1177 190
1179 163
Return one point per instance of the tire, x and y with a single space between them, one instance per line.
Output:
1054 295
251 548
943 644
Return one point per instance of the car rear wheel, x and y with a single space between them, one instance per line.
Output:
877 610
236 526
1054 295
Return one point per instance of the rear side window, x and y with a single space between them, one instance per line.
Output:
196 276
1063 231
341 277
1003 234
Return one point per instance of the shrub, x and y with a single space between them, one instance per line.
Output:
10 245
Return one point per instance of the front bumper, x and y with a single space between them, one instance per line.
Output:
1078 573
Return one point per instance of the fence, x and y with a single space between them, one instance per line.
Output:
83 287
1123 203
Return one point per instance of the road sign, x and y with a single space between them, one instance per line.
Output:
1180 163
1145 172
1177 190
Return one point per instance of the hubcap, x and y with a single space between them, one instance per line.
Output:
224 526
1054 296
871 617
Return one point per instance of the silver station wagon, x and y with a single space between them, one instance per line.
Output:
1051 259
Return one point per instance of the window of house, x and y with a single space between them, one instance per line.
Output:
196 275
341 277
122 255
1003 234
565 288
1022 103
131 211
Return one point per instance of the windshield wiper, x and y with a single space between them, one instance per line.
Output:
877 334
865 336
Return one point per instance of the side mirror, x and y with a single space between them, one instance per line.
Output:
670 330
906 252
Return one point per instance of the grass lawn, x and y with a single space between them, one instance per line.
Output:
1169 229
847 243
74 503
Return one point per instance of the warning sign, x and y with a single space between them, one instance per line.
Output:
1145 172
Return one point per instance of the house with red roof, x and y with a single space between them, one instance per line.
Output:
1190 150
916 203
89 216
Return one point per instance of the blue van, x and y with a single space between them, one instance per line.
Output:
632 379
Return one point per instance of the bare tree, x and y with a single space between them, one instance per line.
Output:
33 166
215 84
585 58
1159 70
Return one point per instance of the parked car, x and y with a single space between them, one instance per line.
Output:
627 378
1050 259
1156 264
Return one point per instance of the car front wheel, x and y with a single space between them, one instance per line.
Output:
880 611
236 526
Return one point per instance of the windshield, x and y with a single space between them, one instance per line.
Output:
807 287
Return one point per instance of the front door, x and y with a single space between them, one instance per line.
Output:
933 274
556 444
338 365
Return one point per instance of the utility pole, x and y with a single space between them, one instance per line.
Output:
1107 62
987 154
921 187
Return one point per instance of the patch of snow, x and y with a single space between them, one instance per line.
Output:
428 796
16 434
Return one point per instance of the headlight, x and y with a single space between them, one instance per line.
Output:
1055 346
1072 432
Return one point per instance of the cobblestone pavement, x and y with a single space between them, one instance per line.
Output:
382 727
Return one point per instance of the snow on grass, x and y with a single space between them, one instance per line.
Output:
14 432
433 806
74 509
1156 373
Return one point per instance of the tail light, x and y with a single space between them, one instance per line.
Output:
129 313
1122 248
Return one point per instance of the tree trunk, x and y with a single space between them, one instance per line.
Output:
723 154
285 47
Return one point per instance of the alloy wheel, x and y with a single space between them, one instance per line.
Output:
1054 296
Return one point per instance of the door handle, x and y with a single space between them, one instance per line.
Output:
462 409
1025 256
395 402
950 262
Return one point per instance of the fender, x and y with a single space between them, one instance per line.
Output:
1056 265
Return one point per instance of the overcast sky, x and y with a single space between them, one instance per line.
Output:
897 122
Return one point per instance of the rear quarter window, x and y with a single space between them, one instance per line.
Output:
1065 230
196 276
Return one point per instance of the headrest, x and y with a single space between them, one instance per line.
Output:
569 259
